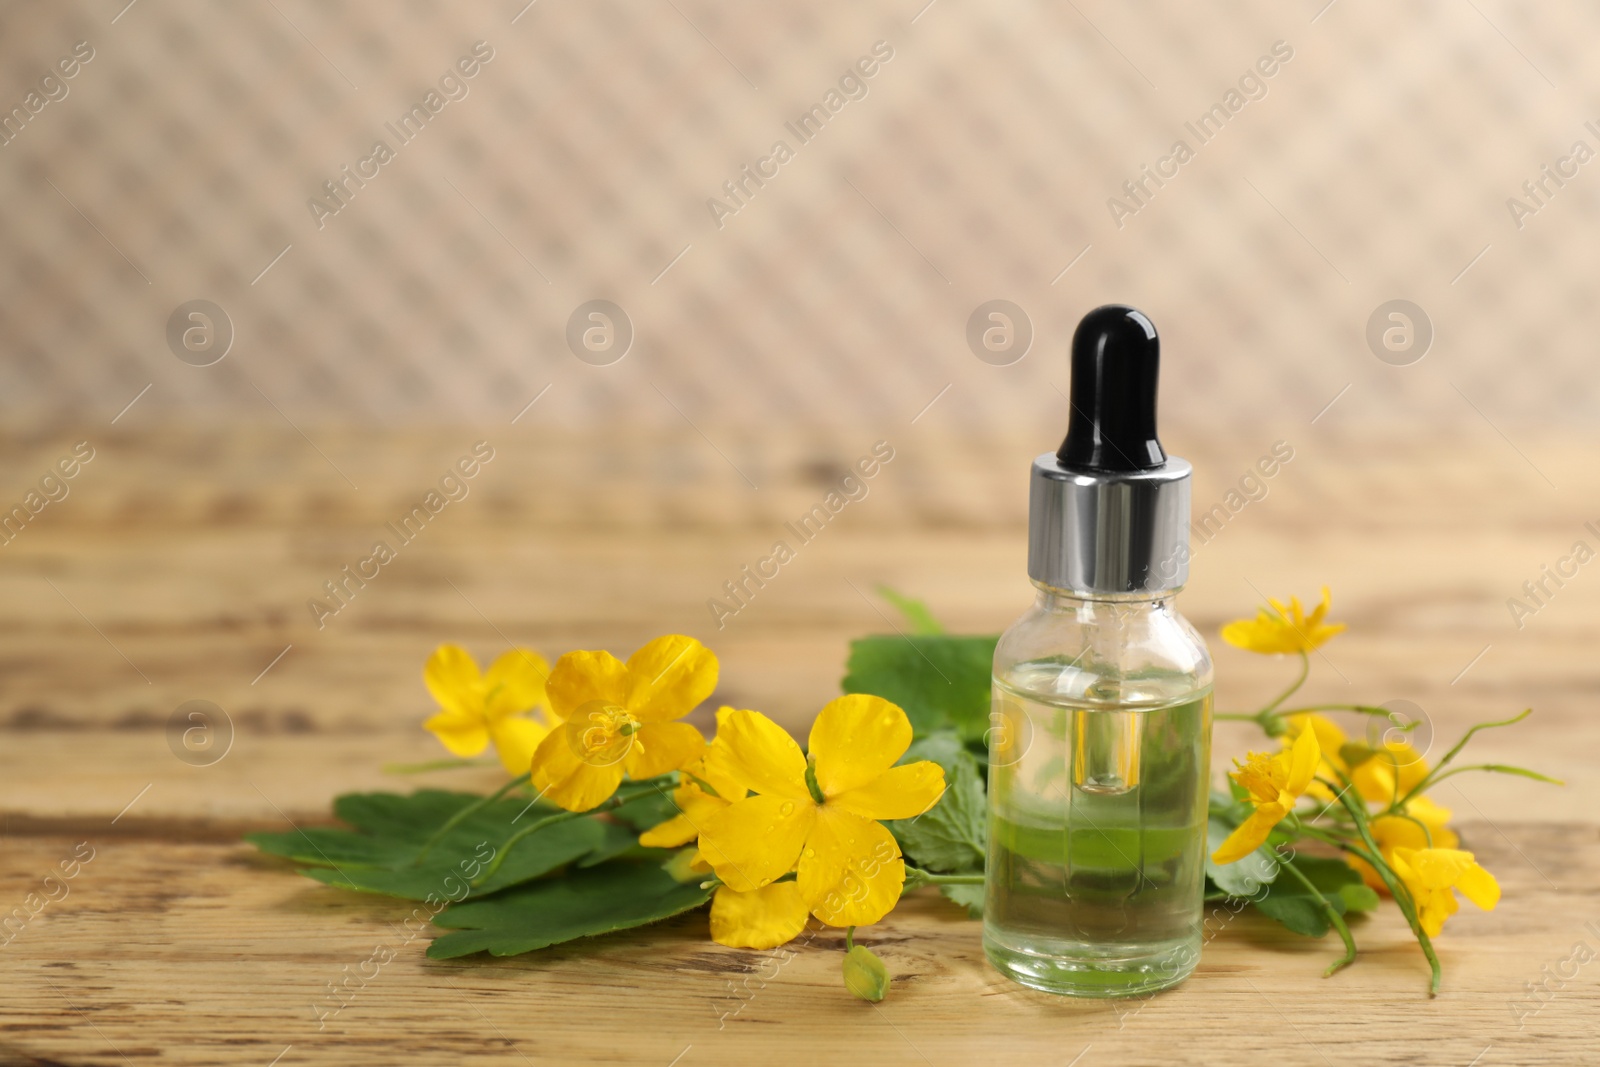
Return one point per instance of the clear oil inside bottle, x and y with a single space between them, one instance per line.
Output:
1098 806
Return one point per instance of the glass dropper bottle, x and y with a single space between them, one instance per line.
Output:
1101 739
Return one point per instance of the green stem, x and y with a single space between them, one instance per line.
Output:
617 800
526 831
849 938
1402 898
1364 709
1490 768
465 813
916 878
1334 919
436 765
1305 669
1433 774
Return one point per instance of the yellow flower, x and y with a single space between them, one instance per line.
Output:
766 917
1432 875
478 708
762 918
1375 777
1275 783
618 717
1397 831
695 805
819 817
1330 739
1283 629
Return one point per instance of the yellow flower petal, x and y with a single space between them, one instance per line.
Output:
564 779
762 918
854 739
1304 757
762 757
452 677
676 831
714 768
1283 629
757 840
462 733
1480 887
1250 834
515 683
898 793
579 677
850 873
669 677
660 747
1376 777
516 738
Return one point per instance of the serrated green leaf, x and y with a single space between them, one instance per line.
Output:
390 829
613 896
916 613
944 748
950 838
968 896
942 681
1243 878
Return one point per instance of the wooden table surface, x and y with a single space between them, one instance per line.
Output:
180 565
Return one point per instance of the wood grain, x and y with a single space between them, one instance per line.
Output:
179 568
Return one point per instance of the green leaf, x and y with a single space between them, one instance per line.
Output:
941 681
944 748
1358 898
1290 903
1328 874
916 613
968 896
650 810
1300 912
950 838
1244 877
378 855
613 896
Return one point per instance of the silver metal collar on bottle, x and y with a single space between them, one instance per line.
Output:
1123 532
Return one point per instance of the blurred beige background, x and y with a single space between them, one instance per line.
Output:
978 165
1367 156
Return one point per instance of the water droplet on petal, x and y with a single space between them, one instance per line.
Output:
786 808
810 853
765 882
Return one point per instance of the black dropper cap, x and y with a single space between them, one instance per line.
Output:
1116 359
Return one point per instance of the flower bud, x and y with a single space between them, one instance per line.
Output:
865 975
